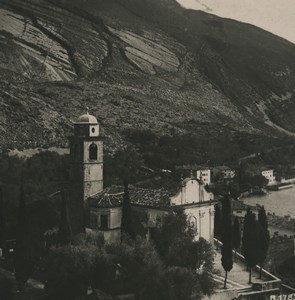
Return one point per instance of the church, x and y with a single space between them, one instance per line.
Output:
100 209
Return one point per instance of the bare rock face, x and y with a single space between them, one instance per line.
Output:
61 47
35 54
147 54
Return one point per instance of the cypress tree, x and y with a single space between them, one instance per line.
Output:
263 237
236 235
245 232
217 221
2 221
250 241
23 253
127 219
64 232
226 251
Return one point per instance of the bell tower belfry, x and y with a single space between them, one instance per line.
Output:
86 168
86 152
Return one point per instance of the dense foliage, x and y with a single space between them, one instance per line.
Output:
2 222
287 271
168 151
64 232
41 175
131 266
23 251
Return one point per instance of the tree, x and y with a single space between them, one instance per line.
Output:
217 221
234 190
127 223
175 243
188 254
236 235
226 251
263 237
135 266
68 271
123 166
243 172
182 283
23 251
259 180
6 288
250 241
174 226
140 221
2 221
64 232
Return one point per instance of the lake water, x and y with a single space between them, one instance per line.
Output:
281 202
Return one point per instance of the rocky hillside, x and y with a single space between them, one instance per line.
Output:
146 64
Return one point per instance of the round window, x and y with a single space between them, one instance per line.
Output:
93 130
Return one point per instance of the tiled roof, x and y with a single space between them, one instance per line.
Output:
159 198
113 196
109 197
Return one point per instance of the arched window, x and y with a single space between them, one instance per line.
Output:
93 152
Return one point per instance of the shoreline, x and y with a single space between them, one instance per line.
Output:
281 222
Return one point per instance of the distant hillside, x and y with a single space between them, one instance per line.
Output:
140 65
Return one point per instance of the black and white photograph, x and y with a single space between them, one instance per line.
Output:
147 149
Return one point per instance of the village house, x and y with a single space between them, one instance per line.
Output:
223 173
103 206
269 175
204 175
201 172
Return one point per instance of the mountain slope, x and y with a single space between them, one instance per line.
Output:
138 64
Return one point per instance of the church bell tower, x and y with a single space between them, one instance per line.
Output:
86 171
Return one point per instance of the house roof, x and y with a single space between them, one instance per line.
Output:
110 197
113 196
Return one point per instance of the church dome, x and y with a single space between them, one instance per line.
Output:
87 118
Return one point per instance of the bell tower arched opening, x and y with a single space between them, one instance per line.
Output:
93 152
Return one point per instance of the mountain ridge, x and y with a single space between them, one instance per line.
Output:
139 68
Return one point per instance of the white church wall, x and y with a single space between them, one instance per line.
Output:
202 217
115 217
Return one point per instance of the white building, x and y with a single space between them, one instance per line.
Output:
269 175
197 202
228 174
204 175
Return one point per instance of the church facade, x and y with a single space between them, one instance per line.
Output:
100 209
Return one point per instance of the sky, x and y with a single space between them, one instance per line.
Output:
276 16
